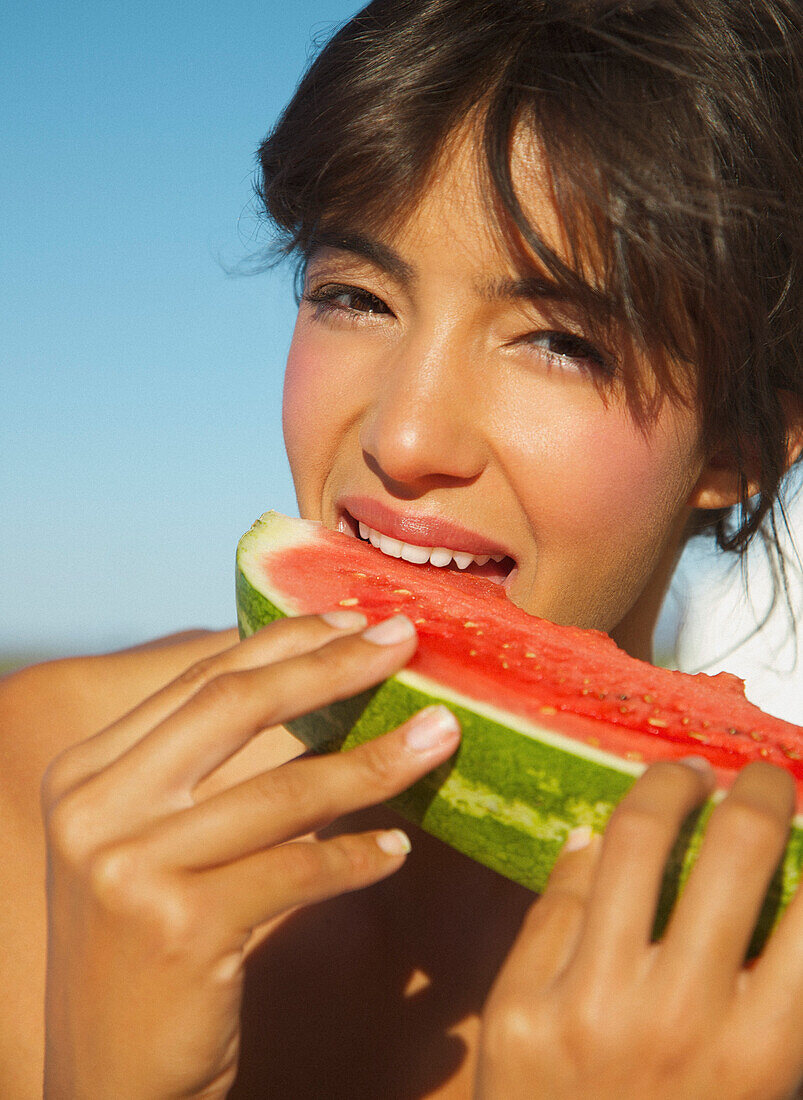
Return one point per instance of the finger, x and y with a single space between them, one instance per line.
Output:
305 795
744 840
775 982
251 891
278 641
551 930
232 708
637 842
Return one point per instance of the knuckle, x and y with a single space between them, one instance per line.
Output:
749 826
357 858
331 661
302 866
313 867
510 1027
70 826
632 825
114 875
199 674
327 661
559 902
378 765
287 786
682 1015
126 887
223 692
590 1036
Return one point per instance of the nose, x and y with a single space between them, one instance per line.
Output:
423 428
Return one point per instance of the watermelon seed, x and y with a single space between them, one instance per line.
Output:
402 592
472 653
732 731
633 755
505 664
764 752
350 602
757 736
420 622
549 710
529 654
505 645
623 697
791 753
648 698
624 710
659 722
685 721
700 737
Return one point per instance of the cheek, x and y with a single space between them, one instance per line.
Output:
299 404
314 399
607 477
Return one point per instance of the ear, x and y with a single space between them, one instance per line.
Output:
718 483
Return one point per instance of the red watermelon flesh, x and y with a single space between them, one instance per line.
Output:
579 682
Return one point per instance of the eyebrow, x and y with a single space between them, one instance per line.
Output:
529 287
368 248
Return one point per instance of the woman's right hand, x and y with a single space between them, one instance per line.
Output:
154 899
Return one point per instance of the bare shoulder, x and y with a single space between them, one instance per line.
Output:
44 709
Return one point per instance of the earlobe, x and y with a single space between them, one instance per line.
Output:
718 483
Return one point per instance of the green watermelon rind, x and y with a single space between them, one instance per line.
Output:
518 825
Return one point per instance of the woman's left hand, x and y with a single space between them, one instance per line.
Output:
587 1006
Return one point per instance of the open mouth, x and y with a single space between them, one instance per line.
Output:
499 568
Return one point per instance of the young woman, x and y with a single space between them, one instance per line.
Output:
551 309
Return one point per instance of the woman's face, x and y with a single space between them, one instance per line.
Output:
435 395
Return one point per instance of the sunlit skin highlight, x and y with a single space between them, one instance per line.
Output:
422 389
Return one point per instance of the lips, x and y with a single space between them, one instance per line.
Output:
422 539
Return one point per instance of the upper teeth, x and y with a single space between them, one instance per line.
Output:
436 555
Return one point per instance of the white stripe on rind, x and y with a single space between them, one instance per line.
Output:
523 725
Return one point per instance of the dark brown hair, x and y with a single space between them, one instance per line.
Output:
672 127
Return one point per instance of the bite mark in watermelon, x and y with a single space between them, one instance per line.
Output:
557 721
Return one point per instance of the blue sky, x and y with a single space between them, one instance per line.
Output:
141 382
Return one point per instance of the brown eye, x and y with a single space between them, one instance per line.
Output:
569 349
343 298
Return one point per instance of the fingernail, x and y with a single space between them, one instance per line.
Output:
390 631
345 620
394 842
699 763
430 728
578 838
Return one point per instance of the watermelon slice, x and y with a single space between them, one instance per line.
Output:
557 721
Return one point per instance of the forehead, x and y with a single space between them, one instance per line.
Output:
458 203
